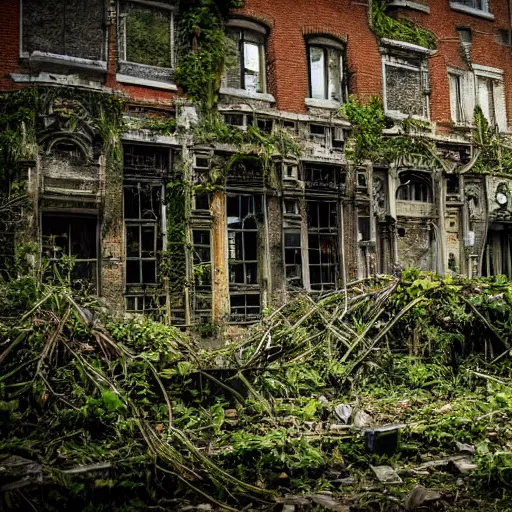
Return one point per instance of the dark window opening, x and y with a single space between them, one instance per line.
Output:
452 184
75 238
293 258
401 232
291 207
202 269
322 176
202 201
415 186
364 230
465 33
243 251
145 161
480 5
323 244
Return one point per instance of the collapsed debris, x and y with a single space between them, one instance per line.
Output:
316 401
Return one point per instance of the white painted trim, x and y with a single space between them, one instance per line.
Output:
402 45
55 58
488 72
327 104
156 5
133 80
56 79
242 93
473 12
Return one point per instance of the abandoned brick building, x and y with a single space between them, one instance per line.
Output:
307 220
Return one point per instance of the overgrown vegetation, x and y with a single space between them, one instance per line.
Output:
398 29
90 405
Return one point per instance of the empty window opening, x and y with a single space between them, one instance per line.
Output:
202 269
323 244
401 232
293 258
322 176
291 207
415 186
452 184
146 35
364 230
465 34
75 238
326 70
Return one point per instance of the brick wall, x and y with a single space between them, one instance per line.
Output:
290 20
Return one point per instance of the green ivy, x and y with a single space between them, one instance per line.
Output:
207 47
398 29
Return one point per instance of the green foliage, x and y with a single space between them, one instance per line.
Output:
401 30
207 47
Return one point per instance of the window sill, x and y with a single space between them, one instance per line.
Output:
326 104
409 4
472 12
133 80
37 57
242 93
399 116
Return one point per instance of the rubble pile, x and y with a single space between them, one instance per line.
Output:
392 394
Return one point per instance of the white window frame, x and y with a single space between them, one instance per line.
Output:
474 11
499 98
326 43
393 60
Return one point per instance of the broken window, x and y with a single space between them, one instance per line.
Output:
144 169
321 176
73 237
406 85
146 34
326 69
64 27
456 105
323 244
415 186
242 214
293 258
246 69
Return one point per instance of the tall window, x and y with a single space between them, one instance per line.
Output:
486 97
202 269
323 244
293 258
76 238
406 85
144 168
246 68
326 69
74 28
456 99
146 35
242 211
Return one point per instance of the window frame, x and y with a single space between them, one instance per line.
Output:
121 32
482 12
327 44
254 33
458 108
92 64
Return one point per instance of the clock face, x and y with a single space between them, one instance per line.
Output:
501 198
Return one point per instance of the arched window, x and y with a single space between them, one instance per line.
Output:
326 64
415 186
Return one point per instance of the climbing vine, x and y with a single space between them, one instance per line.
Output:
206 49
401 30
